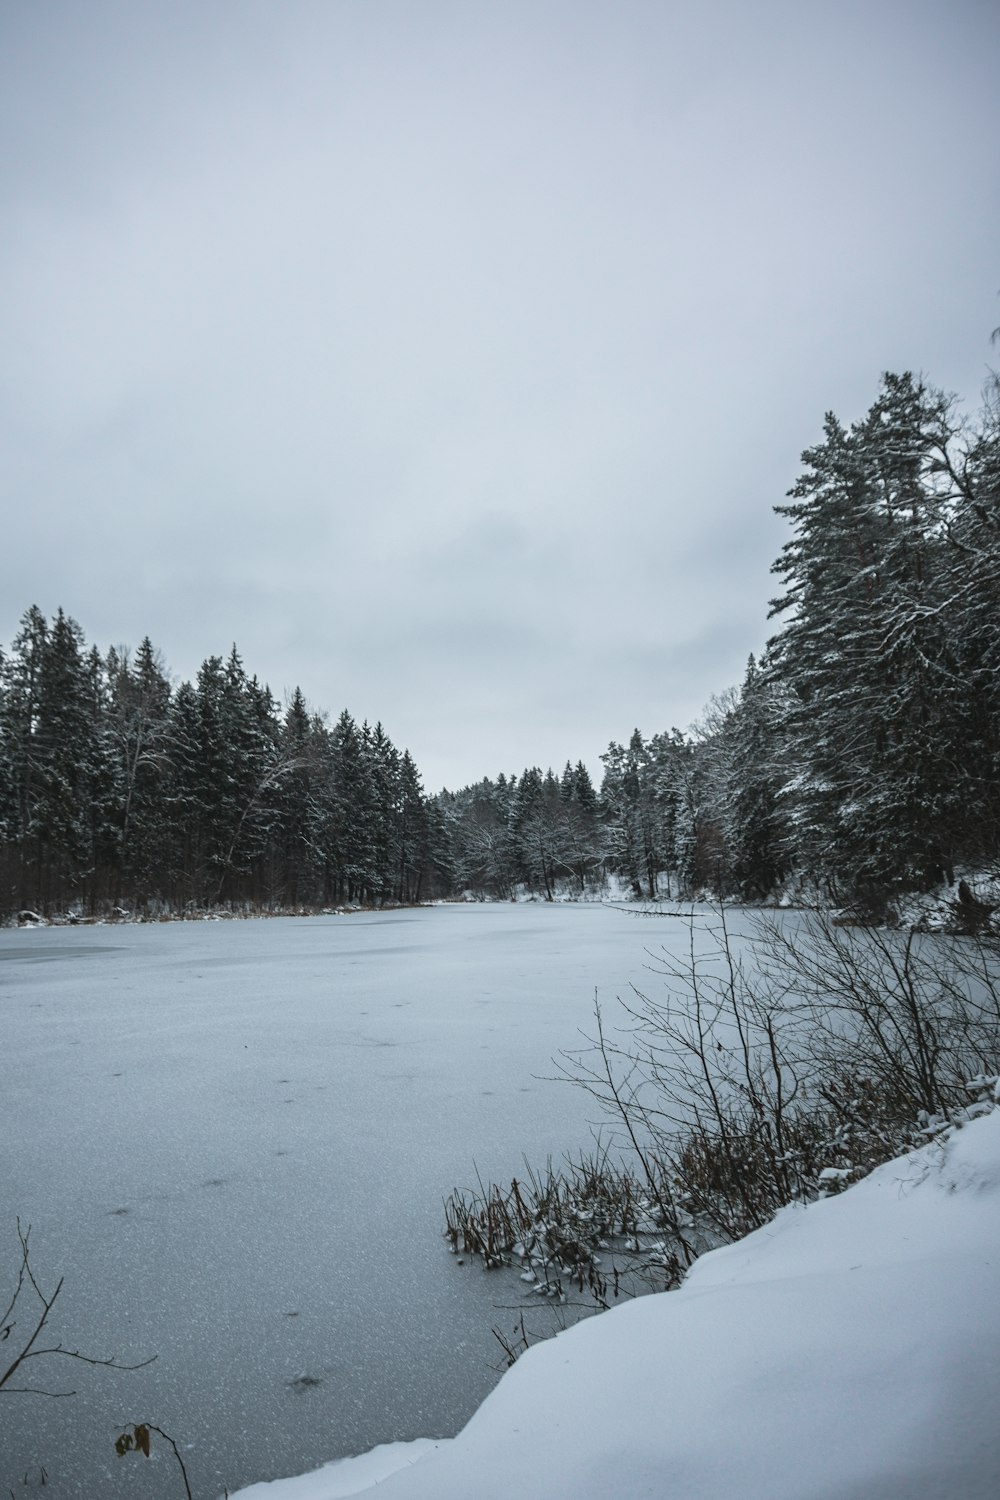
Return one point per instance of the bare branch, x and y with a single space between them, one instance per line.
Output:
25 1279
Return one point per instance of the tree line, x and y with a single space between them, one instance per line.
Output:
118 790
861 752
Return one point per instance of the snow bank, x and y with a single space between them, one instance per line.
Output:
345 1477
847 1350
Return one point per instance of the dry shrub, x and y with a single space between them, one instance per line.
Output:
742 1085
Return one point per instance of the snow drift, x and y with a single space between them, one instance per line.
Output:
847 1350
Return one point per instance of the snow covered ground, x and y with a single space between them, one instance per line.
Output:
846 1351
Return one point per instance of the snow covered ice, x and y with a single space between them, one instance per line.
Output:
234 1140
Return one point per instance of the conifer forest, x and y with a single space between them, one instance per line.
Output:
860 755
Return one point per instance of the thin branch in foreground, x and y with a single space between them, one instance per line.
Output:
25 1279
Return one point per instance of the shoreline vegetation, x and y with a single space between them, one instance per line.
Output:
747 1077
968 906
844 1348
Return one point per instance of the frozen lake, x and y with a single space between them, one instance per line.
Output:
233 1139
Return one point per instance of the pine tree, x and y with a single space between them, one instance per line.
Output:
864 659
412 832
23 757
136 735
580 843
99 791
756 830
347 832
65 757
302 747
626 828
179 850
666 755
972 561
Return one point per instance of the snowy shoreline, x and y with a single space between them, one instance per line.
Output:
970 903
846 1349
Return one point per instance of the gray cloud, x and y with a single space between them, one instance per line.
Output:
449 357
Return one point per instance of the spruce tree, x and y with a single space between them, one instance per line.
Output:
136 733
756 829
23 757
64 742
864 659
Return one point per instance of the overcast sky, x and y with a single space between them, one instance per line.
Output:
449 357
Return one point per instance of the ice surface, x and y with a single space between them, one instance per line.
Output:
233 1140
